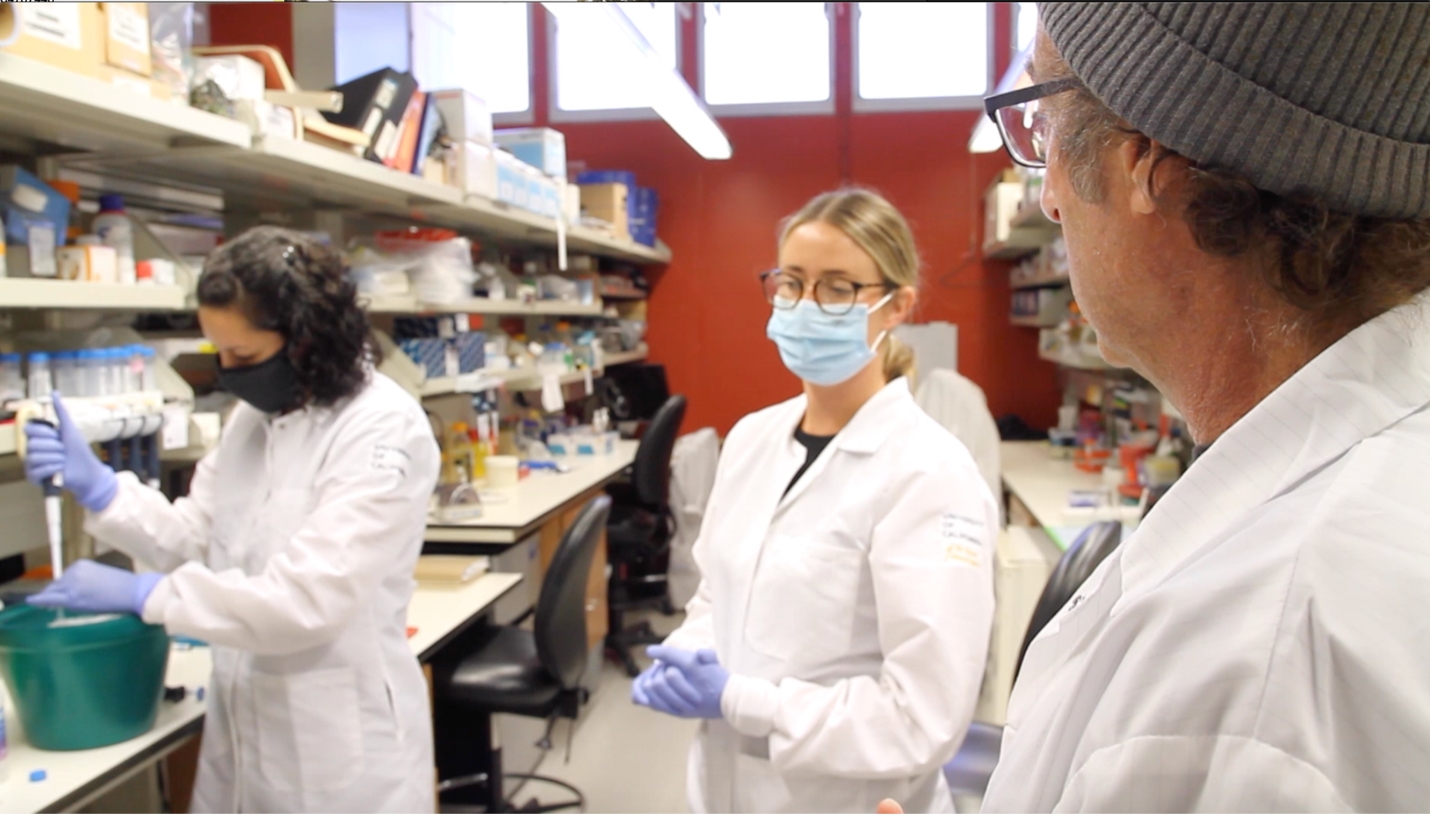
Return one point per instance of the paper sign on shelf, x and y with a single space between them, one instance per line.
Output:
58 23
175 431
551 399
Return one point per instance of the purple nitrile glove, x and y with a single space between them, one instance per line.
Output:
93 587
692 681
64 451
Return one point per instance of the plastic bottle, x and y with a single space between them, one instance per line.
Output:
41 382
134 382
87 373
12 382
70 190
481 446
113 227
149 380
462 454
118 366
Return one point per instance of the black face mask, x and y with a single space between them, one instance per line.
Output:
270 386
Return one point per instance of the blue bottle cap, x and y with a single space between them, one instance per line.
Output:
111 203
39 358
10 357
36 776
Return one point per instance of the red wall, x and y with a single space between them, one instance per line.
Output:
707 315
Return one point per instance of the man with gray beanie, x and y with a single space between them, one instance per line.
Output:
1245 194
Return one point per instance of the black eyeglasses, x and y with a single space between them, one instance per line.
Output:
1022 123
835 296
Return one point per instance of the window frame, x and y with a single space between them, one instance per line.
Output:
860 105
756 109
527 117
556 114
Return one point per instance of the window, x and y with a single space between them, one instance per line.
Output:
592 74
776 57
485 47
1025 26
921 55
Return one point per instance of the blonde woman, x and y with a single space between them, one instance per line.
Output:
836 644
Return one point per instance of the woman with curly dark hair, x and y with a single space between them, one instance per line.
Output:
293 554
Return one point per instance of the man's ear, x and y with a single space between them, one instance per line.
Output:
1145 165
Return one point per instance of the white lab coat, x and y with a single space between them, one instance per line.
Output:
1259 643
692 477
293 555
853 614
959 405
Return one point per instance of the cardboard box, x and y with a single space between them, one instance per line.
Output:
89 262
544 195
136 84
126 42
477 169
512 185
465 115
609 204
66 35
542 148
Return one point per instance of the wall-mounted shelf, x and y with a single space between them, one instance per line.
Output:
517 380
408 305
1033 216
1017 246
1075 359
40 293
1032 321
1038 283
48 105
640 353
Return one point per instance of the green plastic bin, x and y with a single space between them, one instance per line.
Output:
95 682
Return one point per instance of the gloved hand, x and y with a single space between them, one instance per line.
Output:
52 451
690 683
93 587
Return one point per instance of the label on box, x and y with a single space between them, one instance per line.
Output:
369 125
57 23
386 93
174 434
42 251
128 27
386 143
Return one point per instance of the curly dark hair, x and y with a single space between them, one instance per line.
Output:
287 282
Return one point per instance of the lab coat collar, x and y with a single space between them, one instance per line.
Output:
875 420
1364 383
863 434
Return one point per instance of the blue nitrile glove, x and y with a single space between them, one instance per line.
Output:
691 683
50 451
93 587
650 689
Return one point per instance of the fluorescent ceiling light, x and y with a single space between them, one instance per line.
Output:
667 92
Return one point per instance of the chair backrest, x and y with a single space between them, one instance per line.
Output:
561 609
1082 558
651 471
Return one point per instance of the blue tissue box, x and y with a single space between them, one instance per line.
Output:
471 351
430 354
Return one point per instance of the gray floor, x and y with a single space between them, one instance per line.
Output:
624 758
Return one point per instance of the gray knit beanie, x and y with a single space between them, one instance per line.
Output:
1326 99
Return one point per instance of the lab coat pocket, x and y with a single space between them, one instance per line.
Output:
802 600
310 730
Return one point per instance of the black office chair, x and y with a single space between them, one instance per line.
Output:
533 673
968 772
638 536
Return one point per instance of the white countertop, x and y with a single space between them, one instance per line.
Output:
1043 484
72 779
511 512
439 611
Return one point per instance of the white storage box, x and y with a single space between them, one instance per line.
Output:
466 115
477 169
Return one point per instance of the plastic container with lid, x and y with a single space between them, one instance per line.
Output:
149 380
82 681
114 228
89 373
12 381
65 366
134 368
39 378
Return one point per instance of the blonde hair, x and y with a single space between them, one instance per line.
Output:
881 231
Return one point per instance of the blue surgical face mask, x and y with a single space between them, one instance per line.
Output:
821 348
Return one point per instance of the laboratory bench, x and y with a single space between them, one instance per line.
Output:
75 779
1041 484
511 515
